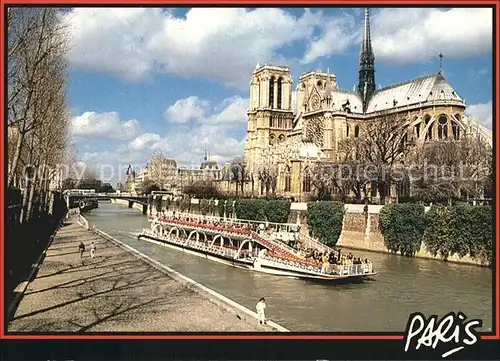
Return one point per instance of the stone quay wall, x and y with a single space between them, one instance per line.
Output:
361 231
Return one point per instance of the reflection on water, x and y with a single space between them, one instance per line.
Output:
403 285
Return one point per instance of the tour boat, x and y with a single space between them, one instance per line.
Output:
246 249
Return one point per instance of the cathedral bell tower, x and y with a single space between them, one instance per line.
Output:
270 115
366 84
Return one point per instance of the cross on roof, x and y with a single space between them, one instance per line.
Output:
440 62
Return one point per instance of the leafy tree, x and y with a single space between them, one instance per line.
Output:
461 230
149 186
106 188
403 226
324 220
202 190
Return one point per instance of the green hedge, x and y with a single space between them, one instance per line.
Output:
225 205
221 205
168 203
211 207
278 210
461 230
250 209
403 226
204 206
185 205
260 209
158 203
324 219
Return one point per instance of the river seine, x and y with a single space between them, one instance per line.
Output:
403 285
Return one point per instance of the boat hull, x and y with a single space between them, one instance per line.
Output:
200 253
258 264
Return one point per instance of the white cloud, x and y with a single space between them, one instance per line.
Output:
104 126
225 43
482 112
338 35
149 141
220 43
187 148
416 35
220 128
230 111
185 110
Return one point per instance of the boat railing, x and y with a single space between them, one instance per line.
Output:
287 253
341 270
293 263
310 242
263 237
289 227
278 242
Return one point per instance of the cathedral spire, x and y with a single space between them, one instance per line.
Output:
206 153
366 47
366 84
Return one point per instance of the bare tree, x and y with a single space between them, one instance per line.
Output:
268 176
38 120
355 169
36 69
446 170
378 147
162 170
238 173
202 189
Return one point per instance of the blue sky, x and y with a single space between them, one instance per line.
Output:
151 80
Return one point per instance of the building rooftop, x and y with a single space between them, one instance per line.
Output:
419 90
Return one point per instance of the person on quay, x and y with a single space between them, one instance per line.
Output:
92 250
81 247
261 311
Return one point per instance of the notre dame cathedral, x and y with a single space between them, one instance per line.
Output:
292 139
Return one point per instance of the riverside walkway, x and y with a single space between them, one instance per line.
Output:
116 292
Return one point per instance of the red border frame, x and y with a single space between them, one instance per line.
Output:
496 101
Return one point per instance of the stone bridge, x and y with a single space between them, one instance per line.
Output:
142 200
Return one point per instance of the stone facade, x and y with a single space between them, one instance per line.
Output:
169 176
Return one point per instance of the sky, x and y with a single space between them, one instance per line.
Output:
147 80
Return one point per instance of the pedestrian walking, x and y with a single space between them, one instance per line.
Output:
81 247
261 311
92 250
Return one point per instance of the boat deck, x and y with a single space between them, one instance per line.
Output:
279 257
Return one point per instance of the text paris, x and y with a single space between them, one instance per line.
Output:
453 330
